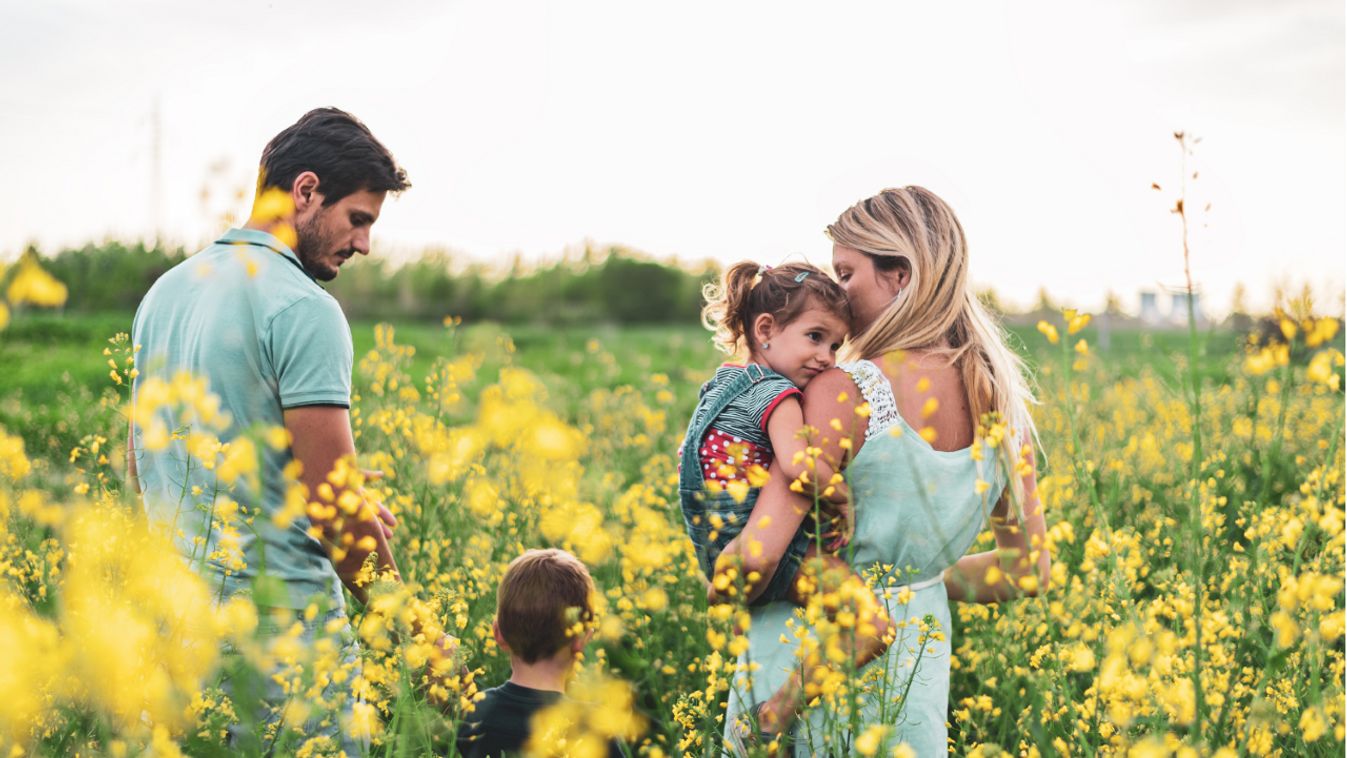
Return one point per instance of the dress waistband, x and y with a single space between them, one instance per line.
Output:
890 592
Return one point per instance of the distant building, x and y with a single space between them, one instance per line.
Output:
1178 309
1150 310
1177 316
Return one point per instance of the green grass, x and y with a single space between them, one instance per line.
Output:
44 354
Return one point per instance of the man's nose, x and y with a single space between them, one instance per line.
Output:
361 243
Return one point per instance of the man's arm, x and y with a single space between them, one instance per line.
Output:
321 436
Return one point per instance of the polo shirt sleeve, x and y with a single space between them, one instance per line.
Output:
311 353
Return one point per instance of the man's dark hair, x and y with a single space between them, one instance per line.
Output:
338 148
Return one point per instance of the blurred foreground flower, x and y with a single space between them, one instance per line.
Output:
597 709
32 285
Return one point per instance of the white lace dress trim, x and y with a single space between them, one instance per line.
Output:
878 394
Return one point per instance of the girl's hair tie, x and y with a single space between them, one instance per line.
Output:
762 269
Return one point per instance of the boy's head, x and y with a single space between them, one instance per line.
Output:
541 598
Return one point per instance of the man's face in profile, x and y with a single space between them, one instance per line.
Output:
329 235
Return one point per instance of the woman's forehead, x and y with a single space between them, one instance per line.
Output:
845 255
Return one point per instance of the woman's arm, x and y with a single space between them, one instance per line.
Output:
1020 565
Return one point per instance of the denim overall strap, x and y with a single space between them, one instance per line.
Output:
690 479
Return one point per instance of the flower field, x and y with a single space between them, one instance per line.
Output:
1195 506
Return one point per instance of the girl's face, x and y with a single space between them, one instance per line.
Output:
868 289
802 349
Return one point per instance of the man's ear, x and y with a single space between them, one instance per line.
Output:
500 638
304 192
764 328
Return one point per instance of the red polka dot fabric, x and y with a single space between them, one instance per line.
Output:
725 457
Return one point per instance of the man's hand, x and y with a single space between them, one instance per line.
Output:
387 521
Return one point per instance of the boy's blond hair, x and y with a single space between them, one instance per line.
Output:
541 597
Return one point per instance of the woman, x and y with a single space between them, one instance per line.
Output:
929 365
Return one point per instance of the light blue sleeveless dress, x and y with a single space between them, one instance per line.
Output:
917 512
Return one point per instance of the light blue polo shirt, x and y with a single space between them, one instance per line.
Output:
245 316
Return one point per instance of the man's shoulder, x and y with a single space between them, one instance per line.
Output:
231 265
283 292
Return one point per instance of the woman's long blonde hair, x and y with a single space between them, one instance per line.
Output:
937 310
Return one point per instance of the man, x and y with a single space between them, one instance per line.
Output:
248 315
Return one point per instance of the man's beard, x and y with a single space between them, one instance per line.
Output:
309 246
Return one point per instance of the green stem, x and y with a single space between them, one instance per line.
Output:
1195 466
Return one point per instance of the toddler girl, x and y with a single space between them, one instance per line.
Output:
790 322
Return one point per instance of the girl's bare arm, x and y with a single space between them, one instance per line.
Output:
779 511
790 446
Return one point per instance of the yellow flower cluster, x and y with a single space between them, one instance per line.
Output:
30 285
1200 611
135 639
1194 605
598 709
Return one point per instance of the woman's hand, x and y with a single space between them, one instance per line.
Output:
1021 562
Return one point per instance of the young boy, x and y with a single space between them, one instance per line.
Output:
542 596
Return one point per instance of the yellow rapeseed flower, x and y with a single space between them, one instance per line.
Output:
1048 331
32 285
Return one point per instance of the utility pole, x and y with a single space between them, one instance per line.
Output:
156 173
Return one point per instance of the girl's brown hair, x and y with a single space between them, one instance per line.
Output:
747 290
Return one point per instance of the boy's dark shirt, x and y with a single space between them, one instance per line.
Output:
499 725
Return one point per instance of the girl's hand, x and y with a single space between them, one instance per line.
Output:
842 527
713 596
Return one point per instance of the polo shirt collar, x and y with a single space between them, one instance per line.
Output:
261 239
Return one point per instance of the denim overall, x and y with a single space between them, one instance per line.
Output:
703 510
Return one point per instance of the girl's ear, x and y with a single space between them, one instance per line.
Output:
764 328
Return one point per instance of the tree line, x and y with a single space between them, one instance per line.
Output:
611 284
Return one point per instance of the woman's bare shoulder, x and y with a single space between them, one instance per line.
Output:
831 383
832 392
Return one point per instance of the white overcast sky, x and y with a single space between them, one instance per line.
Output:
718 129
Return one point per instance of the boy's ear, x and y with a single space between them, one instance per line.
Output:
500 638
579 642
764 327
